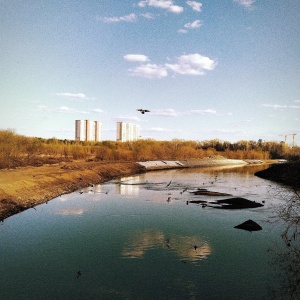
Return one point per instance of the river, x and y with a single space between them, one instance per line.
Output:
140 237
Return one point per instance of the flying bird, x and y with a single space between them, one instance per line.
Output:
169 184
143 110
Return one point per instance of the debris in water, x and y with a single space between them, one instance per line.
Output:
249 226
205 192
236 203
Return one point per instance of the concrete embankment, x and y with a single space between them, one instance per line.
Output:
192 163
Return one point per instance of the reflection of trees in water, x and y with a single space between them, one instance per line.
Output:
241 169
188 248
287 257
290 214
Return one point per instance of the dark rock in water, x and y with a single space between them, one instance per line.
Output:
249 226
205 192
198 201
236 203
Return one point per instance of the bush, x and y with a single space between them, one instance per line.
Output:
17 150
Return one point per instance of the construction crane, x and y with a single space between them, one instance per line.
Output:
293 134
286 135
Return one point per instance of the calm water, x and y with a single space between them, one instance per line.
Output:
136 240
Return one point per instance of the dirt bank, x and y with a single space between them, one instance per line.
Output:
286 173
26 187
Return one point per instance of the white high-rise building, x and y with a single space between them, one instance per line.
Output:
127 132
86 130
97 129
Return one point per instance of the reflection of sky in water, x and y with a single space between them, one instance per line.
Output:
136 237
173 186
187 248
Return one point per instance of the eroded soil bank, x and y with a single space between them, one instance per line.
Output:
286 173
26 187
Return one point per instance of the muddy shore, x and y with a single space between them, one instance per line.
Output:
26 187
286 173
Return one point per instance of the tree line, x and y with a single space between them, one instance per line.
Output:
18 150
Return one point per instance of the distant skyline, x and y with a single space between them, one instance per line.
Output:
215 69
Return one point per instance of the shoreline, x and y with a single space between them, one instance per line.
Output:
26 187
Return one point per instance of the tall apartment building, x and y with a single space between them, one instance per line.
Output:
86 130
127 132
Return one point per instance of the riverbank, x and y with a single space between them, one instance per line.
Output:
26 187
286 173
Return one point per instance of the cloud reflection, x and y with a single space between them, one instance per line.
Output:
70 212
187 248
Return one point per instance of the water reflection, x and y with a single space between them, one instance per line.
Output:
245 169
70 212
187 248
136 238
288 263
129 186
287 257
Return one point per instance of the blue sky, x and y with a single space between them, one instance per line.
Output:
215 69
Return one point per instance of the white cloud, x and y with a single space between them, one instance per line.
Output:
72 95
195 5
62 109
126 119
136 57
149 71
193 25
128 18
192 64
203 112
164 4
278 106
98 110
148 16
274 106
165 112
245 3
296 101
170 112
182 31
176 9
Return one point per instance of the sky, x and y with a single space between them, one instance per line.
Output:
215 69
